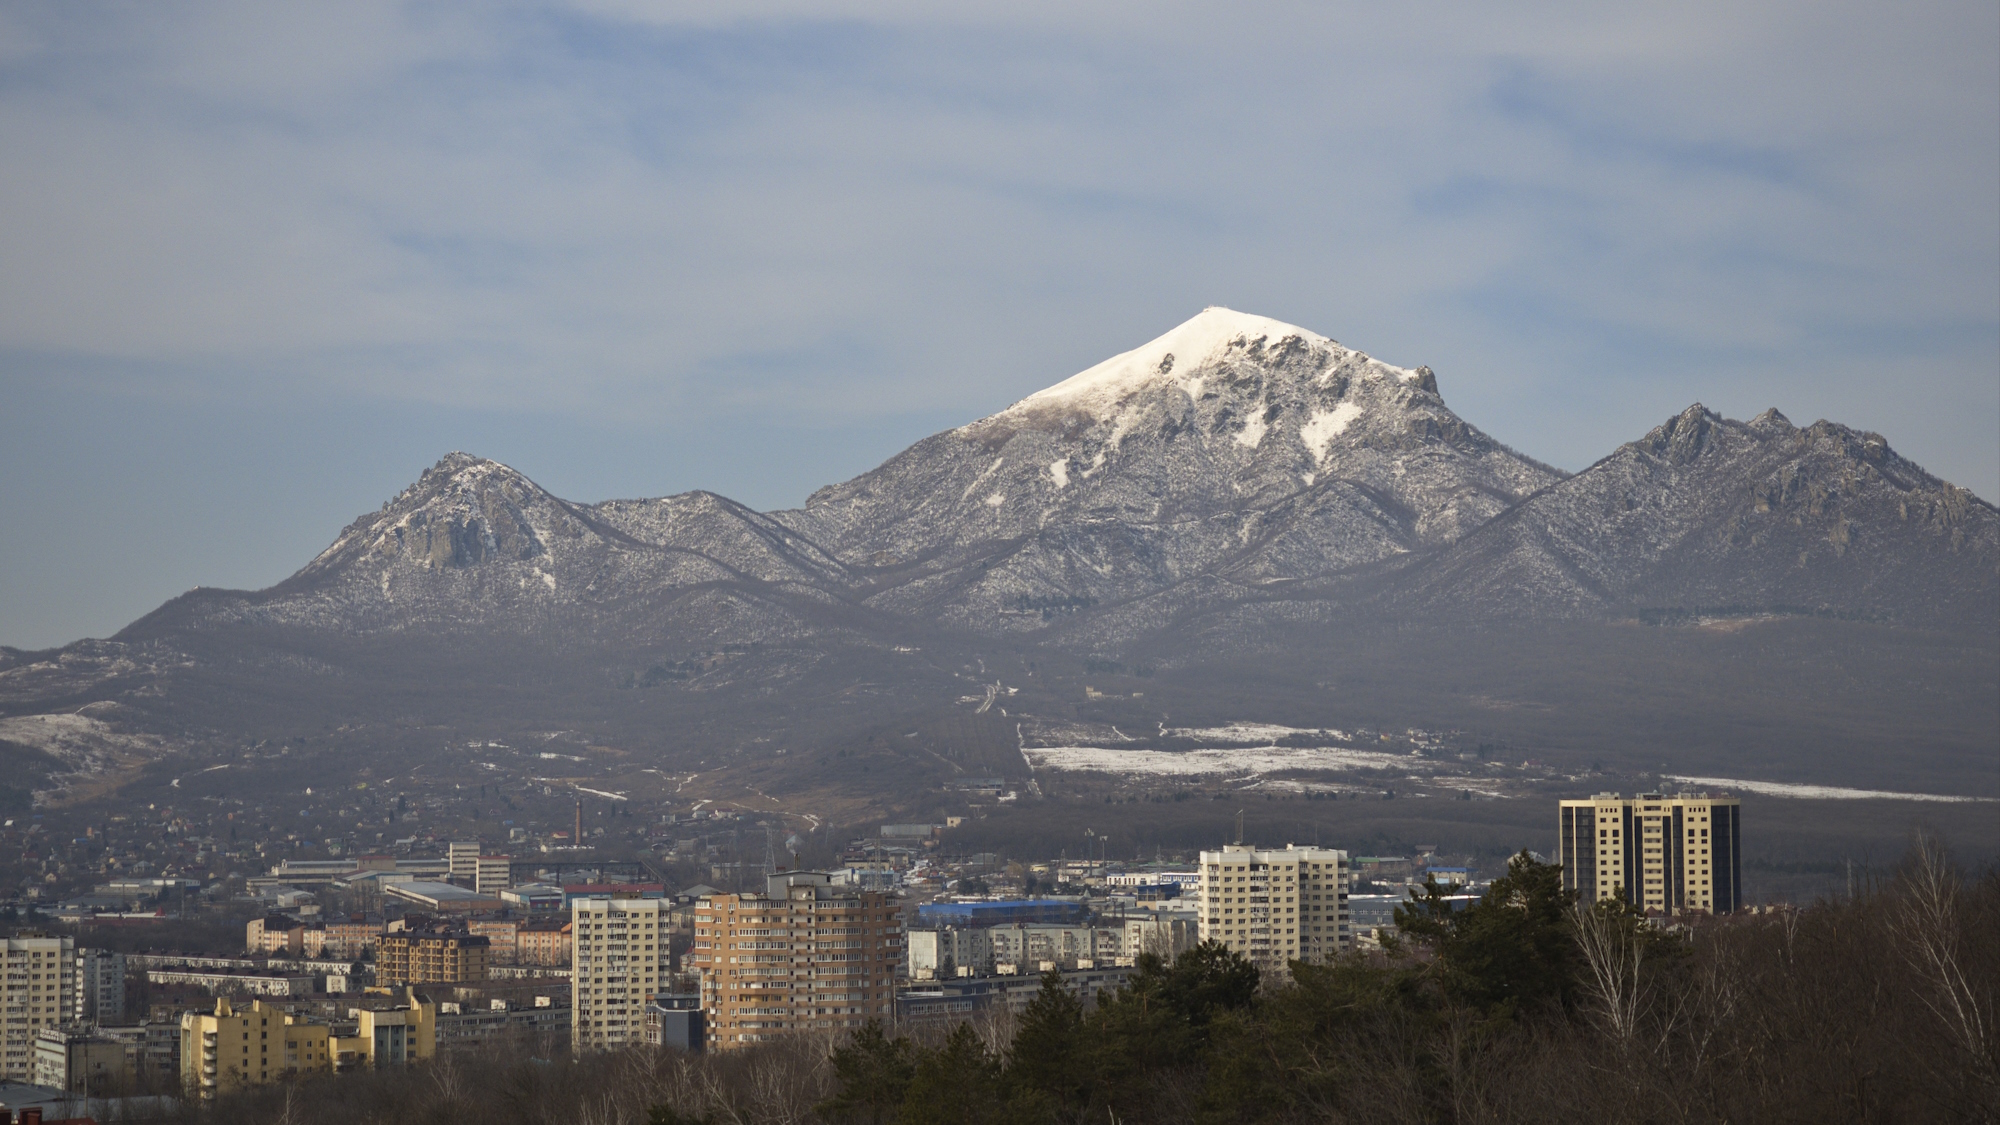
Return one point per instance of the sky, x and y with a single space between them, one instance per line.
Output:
262 263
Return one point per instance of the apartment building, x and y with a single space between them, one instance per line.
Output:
99 978
676 1021
153 1046
543 941
346 939
39 976
228 1048
463 858
950 952
277 934
618 963
1163 932
1679 854
502 936
805 954
438 953
500 1025
1276 906
81 1062
389 1032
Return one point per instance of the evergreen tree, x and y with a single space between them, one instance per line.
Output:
958 1084
871 1072
1050 1068
1511 949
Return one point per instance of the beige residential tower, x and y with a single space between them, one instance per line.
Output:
1276 906
1679 854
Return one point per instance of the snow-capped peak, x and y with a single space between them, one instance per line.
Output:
1178 357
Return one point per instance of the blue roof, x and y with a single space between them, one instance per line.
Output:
993 913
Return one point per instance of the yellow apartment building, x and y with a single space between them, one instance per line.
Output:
228 1048
1679 854
438 954
1276 905
389 1033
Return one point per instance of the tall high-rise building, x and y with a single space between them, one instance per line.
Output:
618 964
100 987
1276 906
1671 854
463 855
806 954
38 974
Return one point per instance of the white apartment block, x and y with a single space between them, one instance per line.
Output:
39 975
950 952
618 963
1670 855
1276 906
1168 933
1027 946
99 979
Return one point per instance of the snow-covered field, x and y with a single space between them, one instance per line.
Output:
1247 734
1819 792
1194 763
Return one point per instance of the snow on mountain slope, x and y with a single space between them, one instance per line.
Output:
1233 446
474 543
1234 461
1707 513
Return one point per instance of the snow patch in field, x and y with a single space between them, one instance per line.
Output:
1196 763
1059 472
1252 434
1821 792
1325 425
996 499
1248 734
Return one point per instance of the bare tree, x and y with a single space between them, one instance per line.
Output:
1927 916
1615 958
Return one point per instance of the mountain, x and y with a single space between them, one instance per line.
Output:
1240 522
1235 451
474 545
1709 515
1234 461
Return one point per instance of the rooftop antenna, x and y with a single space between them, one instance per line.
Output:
1239 826
577 840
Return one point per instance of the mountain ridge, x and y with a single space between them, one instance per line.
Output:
1231 458
1271 527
